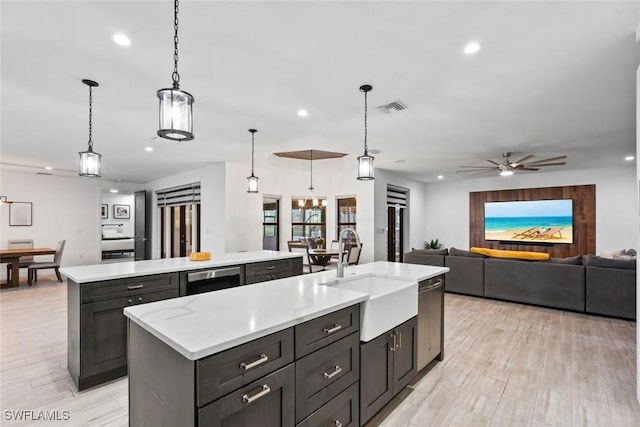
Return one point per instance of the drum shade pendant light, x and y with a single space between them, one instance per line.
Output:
176 106
252 181
89 163
365 162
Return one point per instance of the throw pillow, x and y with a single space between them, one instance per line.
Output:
572 260
461 252
498 253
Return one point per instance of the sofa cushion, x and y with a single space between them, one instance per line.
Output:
573 260
430 251
461 252
596 261
498 253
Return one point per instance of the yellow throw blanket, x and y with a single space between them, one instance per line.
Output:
497 253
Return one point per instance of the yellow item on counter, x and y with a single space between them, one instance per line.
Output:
200 256
499 253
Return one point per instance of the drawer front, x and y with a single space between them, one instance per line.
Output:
317 333
268 267
267 277
323 374
225 372
267 402
120 288
342 411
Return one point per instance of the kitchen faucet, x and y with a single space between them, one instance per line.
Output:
341 262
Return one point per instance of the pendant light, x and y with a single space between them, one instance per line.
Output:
312 197
252 181
365 162
89 163
176 106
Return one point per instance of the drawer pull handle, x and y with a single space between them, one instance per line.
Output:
394 346
271 267
338 423
132 287
263 358
335 372
399 334
335 328
265 390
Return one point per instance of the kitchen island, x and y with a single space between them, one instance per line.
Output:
279 353
97 295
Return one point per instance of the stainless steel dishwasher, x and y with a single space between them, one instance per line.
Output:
430 321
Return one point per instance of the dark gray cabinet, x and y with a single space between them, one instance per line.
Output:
271 270
342 410
97 332
388 363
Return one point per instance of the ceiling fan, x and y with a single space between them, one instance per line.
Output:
507 167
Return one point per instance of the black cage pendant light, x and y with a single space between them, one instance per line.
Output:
252 181
365 162
176 106
89 163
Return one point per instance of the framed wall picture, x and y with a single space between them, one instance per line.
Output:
20 214
105 211
121 211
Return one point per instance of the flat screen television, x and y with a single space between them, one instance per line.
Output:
531 221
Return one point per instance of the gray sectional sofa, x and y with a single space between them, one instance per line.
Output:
591 284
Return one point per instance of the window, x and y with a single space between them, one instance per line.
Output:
270 224
346 214
308 221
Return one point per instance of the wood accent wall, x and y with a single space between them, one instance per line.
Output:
584 218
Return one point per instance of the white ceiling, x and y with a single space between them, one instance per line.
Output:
551 79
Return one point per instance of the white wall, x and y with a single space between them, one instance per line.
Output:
212 209
64 208
415 234
120 199
447 210
290 179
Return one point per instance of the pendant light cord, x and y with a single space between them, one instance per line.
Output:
311 173
365 123
175 76
252 133
90 117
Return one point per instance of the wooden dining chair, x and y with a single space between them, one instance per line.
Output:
24 260
32 272
306 258
353 256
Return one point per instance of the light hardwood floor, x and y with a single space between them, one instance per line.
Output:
505 365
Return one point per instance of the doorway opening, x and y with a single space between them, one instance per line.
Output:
271 224
396 211
179 214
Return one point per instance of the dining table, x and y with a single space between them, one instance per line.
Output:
12 256
322 256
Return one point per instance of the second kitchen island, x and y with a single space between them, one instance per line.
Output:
281 355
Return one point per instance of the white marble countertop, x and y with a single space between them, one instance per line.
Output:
119 270
201 325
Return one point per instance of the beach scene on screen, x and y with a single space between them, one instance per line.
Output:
545 221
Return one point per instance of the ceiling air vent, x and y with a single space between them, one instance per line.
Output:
392 106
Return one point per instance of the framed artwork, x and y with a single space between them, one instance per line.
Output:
20 214
105 211
121 211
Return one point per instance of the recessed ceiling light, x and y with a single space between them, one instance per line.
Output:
303 113
121 39
471 48
440 176
48 168
113 190
148 148
629 158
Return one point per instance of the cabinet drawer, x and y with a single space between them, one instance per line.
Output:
268 267
342 410
119 288
267 277
323 374
225 372
267 402
316 333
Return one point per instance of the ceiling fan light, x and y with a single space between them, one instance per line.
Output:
506 172
176 114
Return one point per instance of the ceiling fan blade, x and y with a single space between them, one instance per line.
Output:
478 167
477 170
528 169
548 160
491 161
480 173
544 164
522 159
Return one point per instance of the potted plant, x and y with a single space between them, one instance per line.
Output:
433 244
320 242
